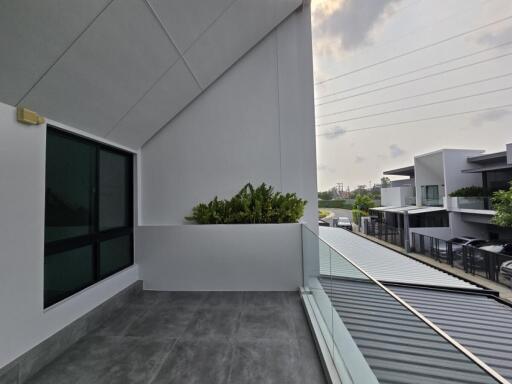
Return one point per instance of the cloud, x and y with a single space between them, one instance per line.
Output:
490 116
334 132
496 37
359 159
395 150
344 25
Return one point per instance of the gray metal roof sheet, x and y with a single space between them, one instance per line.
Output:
480 323
382 263
398 346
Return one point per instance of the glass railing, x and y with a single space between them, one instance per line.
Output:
476 202
364 326
436 202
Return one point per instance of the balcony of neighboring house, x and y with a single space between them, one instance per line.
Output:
496 173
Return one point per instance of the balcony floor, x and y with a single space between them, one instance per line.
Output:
200 337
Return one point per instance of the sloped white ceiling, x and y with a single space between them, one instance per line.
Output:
123 69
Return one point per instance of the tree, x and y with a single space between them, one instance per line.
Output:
326 195
502 203
363 203
385 182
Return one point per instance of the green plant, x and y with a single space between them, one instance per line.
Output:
502 204
472 191
326 195
363 202
357 214
251 206
323 213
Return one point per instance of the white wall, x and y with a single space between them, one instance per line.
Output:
428 170
460 227
253 257
23 323
444 233
454 161
395 196
256 123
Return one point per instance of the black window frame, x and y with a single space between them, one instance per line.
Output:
96 236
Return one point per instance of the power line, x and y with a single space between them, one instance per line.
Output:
417 95
418 106
416 50
419 120
416 79
416 70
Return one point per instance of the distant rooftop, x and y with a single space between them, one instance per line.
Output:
489 158
405 171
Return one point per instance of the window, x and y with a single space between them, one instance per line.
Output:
88 214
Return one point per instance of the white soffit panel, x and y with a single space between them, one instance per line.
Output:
186 20
33 35
172 93
239 28
107 70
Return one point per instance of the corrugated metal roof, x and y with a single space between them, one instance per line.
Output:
480 323
399 347
380 262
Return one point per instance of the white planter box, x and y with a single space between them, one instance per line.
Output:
246 257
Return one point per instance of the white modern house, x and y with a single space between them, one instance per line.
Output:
425 194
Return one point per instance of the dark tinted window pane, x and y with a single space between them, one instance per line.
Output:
69 182
115 254
113 189
67 272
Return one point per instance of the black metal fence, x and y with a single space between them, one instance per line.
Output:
467 258
385 232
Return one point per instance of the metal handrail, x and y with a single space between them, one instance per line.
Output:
491 372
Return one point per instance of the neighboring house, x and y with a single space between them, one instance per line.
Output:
424 196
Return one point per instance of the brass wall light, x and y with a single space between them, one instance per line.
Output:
26 116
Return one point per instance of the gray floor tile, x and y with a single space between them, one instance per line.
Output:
226 300
266 299
183 299
310 367
187 338
140 363
121 320
265 361
149 298
266 323
196 362
86 362
163 322
213 323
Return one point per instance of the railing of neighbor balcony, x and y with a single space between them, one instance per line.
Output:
347 359
467 258
382 231
482 203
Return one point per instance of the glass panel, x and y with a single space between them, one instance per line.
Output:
113 190
360 319
69 182
67 272
114 255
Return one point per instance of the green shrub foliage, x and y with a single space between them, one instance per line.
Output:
502 204
261 205
468 192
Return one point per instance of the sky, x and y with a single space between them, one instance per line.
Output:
356 139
